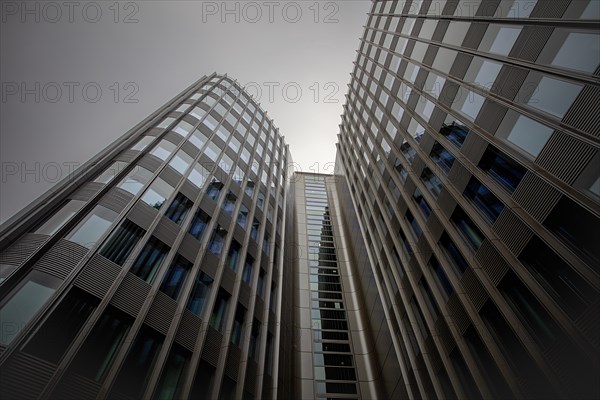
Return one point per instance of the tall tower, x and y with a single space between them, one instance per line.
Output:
155 271
469 151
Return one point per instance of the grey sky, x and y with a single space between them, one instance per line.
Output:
171 45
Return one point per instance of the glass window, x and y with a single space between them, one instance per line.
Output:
423 205
468 103
433 183
100 348
217 241
238 325
199 293
444 60
442 157
163 150
212 151
483 73
198 175
157 193
92 227
229 203
574 50
457 30
515 8
175 277
135 180
122 242
261 200
181 161
454 255
133 375
442 278
166 122
242 218
198 139
149 260
112 171
57 332
179 208
217 317
499 39
502 168
414 224
527 134
60 217
484 199
553 96
18 307
260 286
247 273
183 128
455 132
254 229
214 189
171 382
468 228
143 143
577 228
199 224
233 255
561 282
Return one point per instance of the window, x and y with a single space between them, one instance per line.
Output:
442 157
60 217
527 134
468 103
408 151
503 169
122 242
266 244
260 286
147 263
233 255
242 218
468 228
198 175
433 183
198 139
247 273
229 203
181 161
238 325
92 227
499 39
173 374
166 122
577 228
179 208
175 277
217 317
414 224
217 241
183 128
442 278
212 151
199 224
561 282
199 293
60 328
551 95
573 50
163 150
25 300
254 229
453 253
135 180
249 190
261 200
455 133
133 375
214 189
112 171
420 200
483 73
456 32
100 348
403 173
143 143
254 344
157 193
485 200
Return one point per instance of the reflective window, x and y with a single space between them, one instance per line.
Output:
214 189
175 277
499 39
212 151
423 205
60 217
484 199
198 175
171 383
502 168
574 50
149 260
163 150
143 143
179 208
112 171
183 128
482 72
198 139
442 157
551 95
444 60
527 134
166 122
157 193
433 183
468 103
24 301
217 241
242 218
122 242
233 255
199 293
135 180
468 228
247 273
441 276
457 30
455 132
229 203
92 227
217 317
238 325
199 223
454 255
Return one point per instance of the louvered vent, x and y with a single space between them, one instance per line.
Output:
116 199
212 346
512 231
142 214
536 196
161 312
60 260
188 331
233 362
22 249
446 338
24 377
131 294
473 289
87 191
566 157
550 9
492 263
581 115
75 387
490 116
474 36
97 276
531 42
509 81
458 315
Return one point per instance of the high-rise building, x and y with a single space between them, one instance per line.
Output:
155 271
452 254
469 151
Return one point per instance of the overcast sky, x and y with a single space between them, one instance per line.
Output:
55 58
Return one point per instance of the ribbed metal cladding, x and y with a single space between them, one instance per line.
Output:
75 387
24 377
60 260
97 276
19 251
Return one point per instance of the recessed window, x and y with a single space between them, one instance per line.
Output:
112 171
175 278
157 193
212 151
432 182
574 50
92 227
199 223
198 139
23 302
135 180
229 203
455 132
527 134
442 157
122 242
179 208
181 161
442 278
214 189
454 255
484 199
217 317
499 39
60 217
233 255
163 150
483 73
468 103
199 293
198 175
183 128
150 259
474 237
171 383
423 205
242 218
217 241
238 325
247 272
502 168
551 95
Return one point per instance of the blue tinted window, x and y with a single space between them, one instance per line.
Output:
151 257
442 157
468 228
455 133
484 199
179 208
423 206
453 252
199 223
503 169
175 277
199 293
441 275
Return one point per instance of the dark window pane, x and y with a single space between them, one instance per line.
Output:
151 257
121 242
454 254
433 183
441 275
502 168
175 277
423 205
199 293
442 157
468 228
233 255
179 208
198 225
484 199
455 133
217 241
170 385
